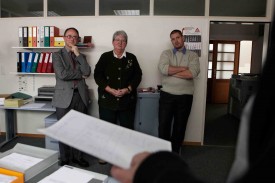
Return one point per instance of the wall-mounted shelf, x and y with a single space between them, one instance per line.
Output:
15 47
36 47
32 73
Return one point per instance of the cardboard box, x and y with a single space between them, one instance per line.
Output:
13 102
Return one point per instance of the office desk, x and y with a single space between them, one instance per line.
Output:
11 121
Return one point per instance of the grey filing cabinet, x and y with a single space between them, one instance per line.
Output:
240 89
51 143
146 118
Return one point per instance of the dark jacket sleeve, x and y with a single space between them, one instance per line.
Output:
164 167
99 71
137 73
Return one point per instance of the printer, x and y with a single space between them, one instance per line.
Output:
45 93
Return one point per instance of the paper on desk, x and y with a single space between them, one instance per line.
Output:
68 174
33 105
7 178
112 143
19 160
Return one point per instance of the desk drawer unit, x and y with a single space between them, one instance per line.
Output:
51 143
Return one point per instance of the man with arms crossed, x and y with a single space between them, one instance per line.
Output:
178 67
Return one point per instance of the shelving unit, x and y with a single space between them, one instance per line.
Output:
39 49
80 47
32 73
36 47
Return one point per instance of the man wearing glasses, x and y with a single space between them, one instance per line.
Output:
71 92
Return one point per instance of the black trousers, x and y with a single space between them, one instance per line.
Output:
125 118
174 111
67 152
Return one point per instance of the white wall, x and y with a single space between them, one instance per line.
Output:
147 38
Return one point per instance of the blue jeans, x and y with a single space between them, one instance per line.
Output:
174 111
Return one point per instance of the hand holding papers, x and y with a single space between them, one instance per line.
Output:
112 143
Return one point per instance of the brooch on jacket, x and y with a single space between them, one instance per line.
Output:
129 64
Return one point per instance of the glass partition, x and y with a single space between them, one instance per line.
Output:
179 7
124 7
238 8
71 8
21 8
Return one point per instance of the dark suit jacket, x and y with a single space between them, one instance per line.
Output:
65 75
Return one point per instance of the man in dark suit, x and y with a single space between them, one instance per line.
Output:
71 92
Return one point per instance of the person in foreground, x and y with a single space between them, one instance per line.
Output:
178 68
71 92
255 152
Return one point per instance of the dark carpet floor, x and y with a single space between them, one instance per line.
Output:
221 128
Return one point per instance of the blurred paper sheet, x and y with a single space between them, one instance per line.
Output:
112 143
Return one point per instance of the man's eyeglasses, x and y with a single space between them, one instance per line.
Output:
71 37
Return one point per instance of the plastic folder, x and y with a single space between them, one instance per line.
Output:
19 176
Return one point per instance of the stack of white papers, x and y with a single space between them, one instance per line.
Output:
112 143
2 100
19 161
3 97
28 160
7 178
68 174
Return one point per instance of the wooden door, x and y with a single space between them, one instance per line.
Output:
223 61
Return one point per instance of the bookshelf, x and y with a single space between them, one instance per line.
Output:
30 73
19 47
40 49
34 51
